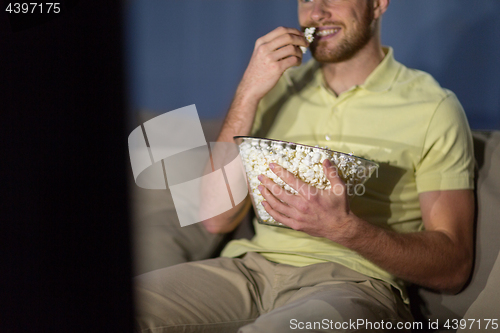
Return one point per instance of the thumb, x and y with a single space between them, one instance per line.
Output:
331 172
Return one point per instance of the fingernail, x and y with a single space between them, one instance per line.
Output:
260 177
272 165
260 187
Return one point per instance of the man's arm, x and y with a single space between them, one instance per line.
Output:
273 54
438 258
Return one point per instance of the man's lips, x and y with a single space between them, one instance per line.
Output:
326 32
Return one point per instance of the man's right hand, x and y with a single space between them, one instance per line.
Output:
273 54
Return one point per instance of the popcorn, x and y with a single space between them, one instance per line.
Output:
309 34
305 162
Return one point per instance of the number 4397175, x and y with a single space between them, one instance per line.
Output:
471 323
33 7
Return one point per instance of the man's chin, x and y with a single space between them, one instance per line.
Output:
327 58
332 55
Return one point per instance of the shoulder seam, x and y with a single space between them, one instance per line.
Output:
447 94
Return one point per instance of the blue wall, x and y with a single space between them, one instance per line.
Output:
195 51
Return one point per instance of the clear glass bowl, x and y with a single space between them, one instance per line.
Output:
305 162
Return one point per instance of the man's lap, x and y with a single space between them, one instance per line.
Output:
220 295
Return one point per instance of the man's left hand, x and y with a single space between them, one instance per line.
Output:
320 213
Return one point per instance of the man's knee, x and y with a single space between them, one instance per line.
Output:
328 310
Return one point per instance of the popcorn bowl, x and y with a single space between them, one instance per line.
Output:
305 162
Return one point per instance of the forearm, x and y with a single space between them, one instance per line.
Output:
240 116
238 121
428 258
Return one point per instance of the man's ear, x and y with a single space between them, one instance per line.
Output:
379 7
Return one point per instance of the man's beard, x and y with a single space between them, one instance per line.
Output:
349 45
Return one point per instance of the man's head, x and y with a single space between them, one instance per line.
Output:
344 27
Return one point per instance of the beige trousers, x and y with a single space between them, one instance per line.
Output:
252 294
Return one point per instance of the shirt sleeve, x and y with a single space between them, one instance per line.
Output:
447 159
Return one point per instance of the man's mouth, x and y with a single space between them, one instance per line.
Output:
322 33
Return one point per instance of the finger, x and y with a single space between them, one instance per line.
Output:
276 204
278 191
287 39
298 185
289 62
332 174
277 216
277 32
287 51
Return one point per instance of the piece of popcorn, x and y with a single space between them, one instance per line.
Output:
309 35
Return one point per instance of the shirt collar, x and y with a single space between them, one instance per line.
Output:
381 79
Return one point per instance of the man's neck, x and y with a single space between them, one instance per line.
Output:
344 75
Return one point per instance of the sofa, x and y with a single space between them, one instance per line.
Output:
480 299
160 242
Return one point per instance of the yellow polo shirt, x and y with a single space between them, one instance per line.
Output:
401 118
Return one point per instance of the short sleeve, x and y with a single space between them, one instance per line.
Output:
447 159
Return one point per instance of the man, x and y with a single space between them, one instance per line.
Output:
342 260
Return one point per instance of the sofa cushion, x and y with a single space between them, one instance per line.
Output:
435 306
